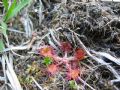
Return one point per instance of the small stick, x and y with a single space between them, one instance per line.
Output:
32 41
86 83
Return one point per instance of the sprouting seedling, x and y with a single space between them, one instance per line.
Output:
72 84
47 61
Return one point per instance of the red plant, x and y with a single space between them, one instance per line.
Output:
73 74
53 69
71 63
79 54
46 51
66 46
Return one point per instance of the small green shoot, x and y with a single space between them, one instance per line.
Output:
15 8
10 10
1 46
3 28
28 80
72 84
47 61
6 4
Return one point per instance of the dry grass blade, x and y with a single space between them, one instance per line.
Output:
40 11
86 84
12 76
28 25
37 83
108 56
98 59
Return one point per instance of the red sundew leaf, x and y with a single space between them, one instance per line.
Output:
47 51
66 46
73 74
74 64
53 69
79 54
